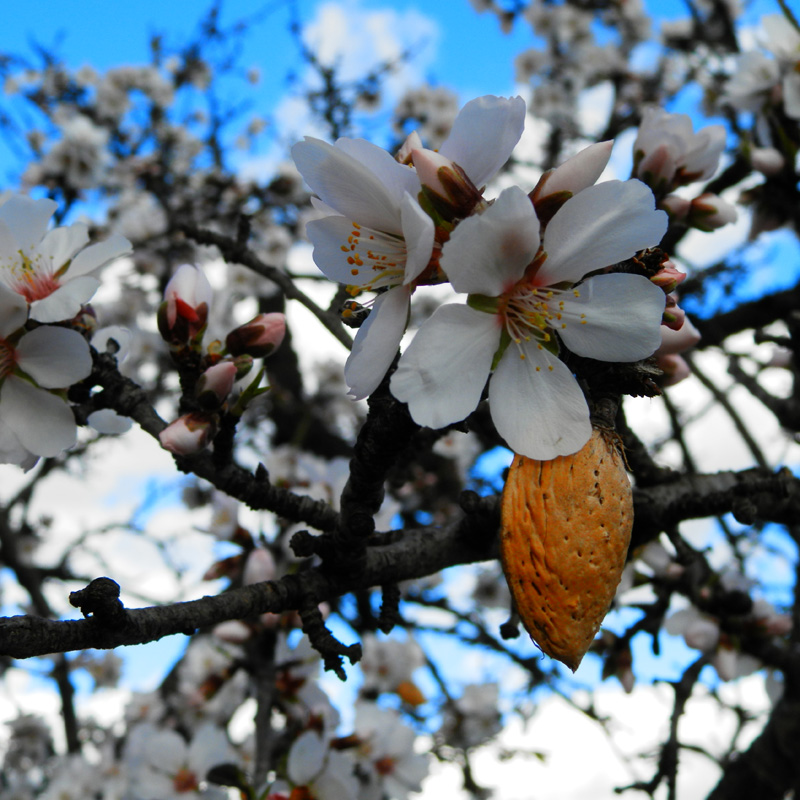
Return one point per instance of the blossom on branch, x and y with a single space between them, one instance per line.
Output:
526 294
51 269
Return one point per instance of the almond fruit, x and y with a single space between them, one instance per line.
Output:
566 527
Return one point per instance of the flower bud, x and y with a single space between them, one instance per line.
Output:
668 278
412 143
767 160
557 185
674 367
657 168
260 566
215 384
189 434
673 342
677 207
446 185
709 212
674 315
259 337
183 314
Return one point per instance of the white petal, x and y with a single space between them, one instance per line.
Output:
330 234
347 185
580 171
537 405
488 254
100 254
61 244
598 227
54 357
622 322
442 373
397 178
41 421
27 219
13 311
484 134
306 758
376 343
12 452
66 301
418 231
102 337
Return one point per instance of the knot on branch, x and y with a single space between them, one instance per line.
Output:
326 644
100 601
390 607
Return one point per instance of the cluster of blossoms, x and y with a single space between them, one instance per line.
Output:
209 373
45 278
533 268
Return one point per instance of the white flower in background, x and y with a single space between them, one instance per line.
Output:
388 666
475 718
326 773
752 84
386 746
521 304
376 235
80 157
667 153
116 339
783 40
432 108
50 269
31 362
163 766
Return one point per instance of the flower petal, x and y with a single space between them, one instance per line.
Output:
397 178
60 244
54 357
622 318
13 311
41 421
376 343
484 134
598 227
66 301
27 219
418 231
488 254
347 185
442 373
100 254
537 405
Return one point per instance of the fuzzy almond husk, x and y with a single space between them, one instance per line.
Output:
566 527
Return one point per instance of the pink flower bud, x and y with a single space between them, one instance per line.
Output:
259 337
189 434
260 566
767 160
675 369
557 185
445 184
412 142
657 168
709 212
677 207
674 315
184 312
668 278
679 341
215 384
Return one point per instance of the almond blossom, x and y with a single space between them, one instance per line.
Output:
375 235
34 420
525 291
51 269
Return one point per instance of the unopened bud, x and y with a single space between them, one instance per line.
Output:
674 315
215 384
259 337
412 143
184 312
189 434
679 341
446 185
709 212
767 160
675 369
260 566
677 207
668 278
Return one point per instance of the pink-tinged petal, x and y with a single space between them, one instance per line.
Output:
337 251
397 178
61 244
418 231
484 134
27 219
54 357
100 254
376 342
66 301
41 421
679 341
537 405
598 227
442 373
13 311
614 317
488 253
577 173
347 185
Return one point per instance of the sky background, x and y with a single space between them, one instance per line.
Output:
455 47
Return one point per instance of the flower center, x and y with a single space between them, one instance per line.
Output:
381 255
185 781
535 312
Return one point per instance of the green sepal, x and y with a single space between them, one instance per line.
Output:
505 341
482 302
